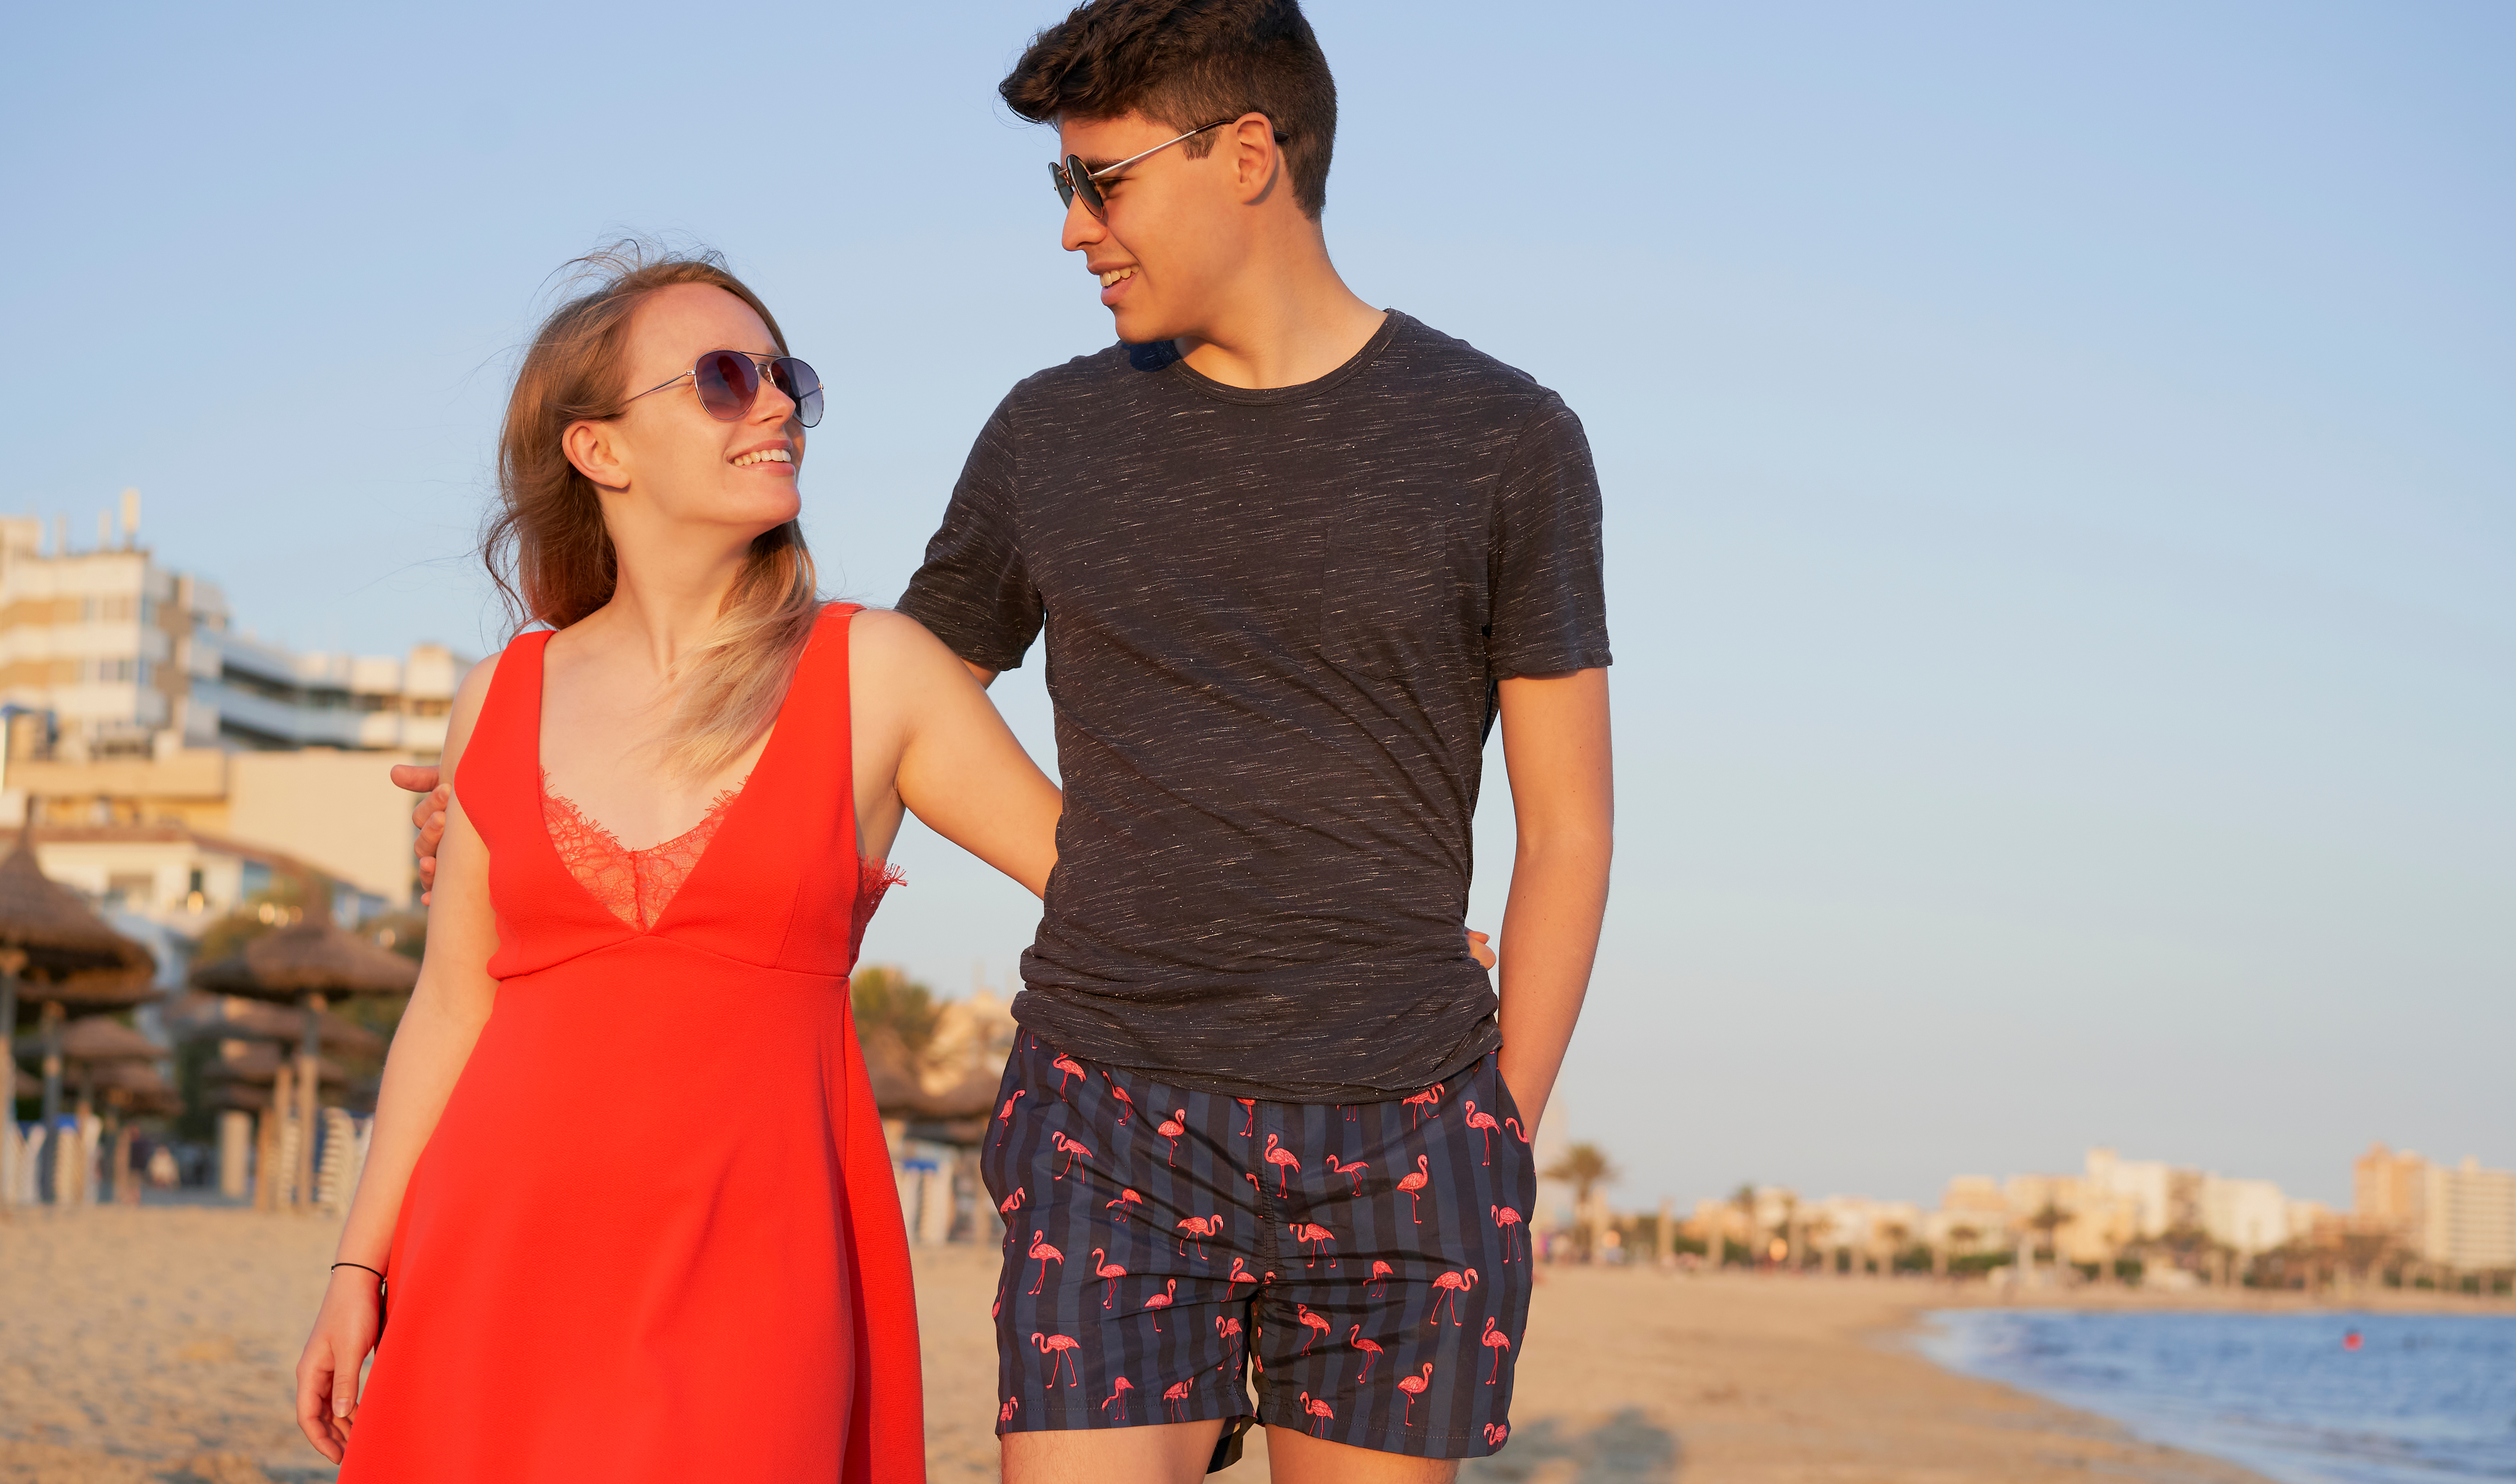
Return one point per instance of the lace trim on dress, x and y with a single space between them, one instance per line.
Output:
633 886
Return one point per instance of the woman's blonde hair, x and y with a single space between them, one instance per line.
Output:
546 544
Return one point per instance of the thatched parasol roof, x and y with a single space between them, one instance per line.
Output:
312 956
258 1063
75 957
95 1039
219 1017
136 1086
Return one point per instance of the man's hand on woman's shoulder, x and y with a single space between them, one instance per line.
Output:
429 815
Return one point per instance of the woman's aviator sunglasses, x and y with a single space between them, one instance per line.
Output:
727 383
1076 178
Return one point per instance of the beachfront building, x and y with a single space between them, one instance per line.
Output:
2462 1218
2247 1216
2163 1197
166 757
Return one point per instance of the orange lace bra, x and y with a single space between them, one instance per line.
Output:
636 886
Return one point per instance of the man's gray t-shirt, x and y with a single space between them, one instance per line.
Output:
1274 623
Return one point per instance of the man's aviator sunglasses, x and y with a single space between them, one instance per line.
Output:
727 383
1074 179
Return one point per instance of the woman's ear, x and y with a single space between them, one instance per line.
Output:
593 449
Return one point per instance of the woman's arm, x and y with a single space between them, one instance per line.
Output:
447 1008
951 758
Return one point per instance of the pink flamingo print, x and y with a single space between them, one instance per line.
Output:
1069 1148
1171 1129
1119 1093
1283 1159
1175 1401
1248 1105
1126 1198
1413 1185
1380 1275
1241 1274
1110 1271
1513 1124
1354 1340
1315 1238
1012 1204
1197 1229
1320 1415
1044 1255
1005 1114
1119 1398
1354 1169
1314 1323
1414 1386
1255 1188
1497 1341
1507 1220
1452 1285
1067 1066
1496 1432
1060 1350
1485 1124
1005 1412
1227 1330
1423 1105
1160 1302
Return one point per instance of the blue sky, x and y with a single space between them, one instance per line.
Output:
2063 561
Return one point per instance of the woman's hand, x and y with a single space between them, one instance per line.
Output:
327 1374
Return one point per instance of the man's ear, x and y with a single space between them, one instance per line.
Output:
591 446
1257 164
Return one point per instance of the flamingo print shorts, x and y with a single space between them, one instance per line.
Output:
1370 1262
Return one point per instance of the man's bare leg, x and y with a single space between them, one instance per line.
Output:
1163 1452
1295 1457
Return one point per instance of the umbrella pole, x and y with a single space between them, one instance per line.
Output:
85 1110
11 960
53 1015
310 1008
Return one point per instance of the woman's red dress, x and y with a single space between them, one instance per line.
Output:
655 1235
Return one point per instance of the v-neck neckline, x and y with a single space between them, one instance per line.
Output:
733 807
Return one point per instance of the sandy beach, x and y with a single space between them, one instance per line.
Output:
155 1344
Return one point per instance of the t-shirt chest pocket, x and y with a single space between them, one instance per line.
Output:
1393 593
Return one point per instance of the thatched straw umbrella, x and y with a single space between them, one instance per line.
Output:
66 955
309 965
226 1017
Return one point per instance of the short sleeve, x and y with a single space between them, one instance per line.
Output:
974 591
1550 605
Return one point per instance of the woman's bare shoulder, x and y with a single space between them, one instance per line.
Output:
895 642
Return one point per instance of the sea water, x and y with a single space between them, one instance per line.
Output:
2420 1398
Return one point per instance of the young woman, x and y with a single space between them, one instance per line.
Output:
627 1181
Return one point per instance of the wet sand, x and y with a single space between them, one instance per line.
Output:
154 1347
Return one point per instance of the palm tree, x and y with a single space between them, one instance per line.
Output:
1586 1168
1744 1198
2050 1221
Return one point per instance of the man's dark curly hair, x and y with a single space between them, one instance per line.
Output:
1185 63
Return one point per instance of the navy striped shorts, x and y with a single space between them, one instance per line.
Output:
1369 1260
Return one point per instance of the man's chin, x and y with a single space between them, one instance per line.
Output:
1138 328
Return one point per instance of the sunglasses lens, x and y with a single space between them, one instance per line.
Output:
802 386
727 382
1082 187
1064 184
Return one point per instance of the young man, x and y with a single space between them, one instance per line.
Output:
1294 556
1291 551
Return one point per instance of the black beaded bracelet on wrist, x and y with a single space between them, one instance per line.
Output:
361 1266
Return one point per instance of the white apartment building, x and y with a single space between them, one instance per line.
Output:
2469 1216
103 653
162 752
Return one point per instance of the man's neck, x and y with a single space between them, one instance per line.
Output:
1292 321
